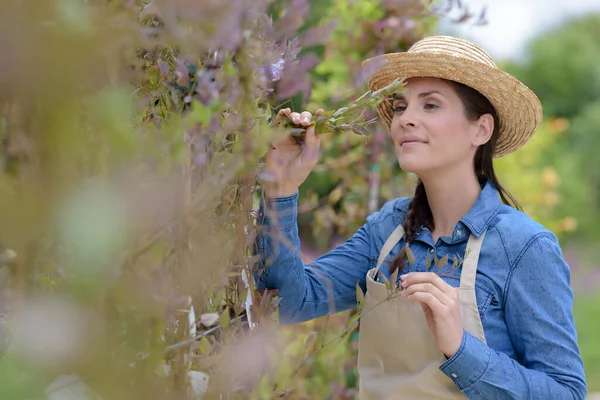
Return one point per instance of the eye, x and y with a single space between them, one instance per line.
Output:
398 108
430 106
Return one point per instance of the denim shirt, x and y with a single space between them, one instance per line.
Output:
523 291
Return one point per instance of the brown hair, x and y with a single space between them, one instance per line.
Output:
419 214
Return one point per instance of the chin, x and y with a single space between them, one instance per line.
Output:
413 165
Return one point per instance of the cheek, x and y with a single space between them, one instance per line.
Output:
394 130
450 132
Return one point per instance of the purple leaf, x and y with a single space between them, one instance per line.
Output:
181 73
292 20
163 68
318 34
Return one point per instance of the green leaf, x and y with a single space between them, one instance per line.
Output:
354 317
224 319
340 111
310 341
218 299
385 280
201 113
444 261
363 96
436 260
428 261
205 346
265 389
467 252
409 254
359 294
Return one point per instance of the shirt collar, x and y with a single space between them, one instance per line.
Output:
478 218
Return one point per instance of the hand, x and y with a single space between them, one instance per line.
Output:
440 303
288 162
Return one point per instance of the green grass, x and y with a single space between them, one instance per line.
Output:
587 311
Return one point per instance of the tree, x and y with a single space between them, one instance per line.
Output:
562 69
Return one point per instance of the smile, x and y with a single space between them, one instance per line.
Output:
411 140
411 143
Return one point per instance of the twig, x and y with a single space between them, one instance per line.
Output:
198 336
342 335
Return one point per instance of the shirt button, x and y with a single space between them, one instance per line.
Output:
459 232
453 375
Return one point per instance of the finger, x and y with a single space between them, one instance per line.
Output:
426 277
295 118
305 118
427 288
311 149
430 300
282 114
312 138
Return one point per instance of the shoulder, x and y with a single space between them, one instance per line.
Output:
521 234
393 211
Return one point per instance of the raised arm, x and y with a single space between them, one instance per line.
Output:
328 284
313 290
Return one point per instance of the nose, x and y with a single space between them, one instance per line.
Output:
407 118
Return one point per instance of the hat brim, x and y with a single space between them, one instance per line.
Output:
518 108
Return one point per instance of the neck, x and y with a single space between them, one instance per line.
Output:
450 196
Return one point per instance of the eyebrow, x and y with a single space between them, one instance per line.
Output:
398 96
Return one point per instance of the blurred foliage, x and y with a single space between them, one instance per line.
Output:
538 183
132 142
586 311
562 68
132 139
346 186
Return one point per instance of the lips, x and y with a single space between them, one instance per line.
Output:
411 139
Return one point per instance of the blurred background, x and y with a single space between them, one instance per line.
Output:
133 133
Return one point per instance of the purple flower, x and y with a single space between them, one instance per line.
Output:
277 69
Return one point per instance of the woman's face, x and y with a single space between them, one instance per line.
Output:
430 130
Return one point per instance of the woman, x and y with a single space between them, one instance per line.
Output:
495 321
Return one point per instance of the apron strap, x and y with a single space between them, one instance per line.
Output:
469 268
389 244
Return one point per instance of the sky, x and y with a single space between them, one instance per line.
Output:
511 23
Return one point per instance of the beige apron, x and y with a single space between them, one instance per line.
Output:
398 357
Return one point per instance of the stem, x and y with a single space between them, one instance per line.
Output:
344 333
188 342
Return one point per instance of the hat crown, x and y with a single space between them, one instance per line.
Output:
454 47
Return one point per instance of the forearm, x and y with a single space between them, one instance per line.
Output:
303 293
482 373
278 247
325 286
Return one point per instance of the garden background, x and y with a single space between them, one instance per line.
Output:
132 141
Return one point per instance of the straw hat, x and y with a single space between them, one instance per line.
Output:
519 109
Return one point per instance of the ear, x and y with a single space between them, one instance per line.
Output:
485 129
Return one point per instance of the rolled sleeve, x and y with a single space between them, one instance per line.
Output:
277 233
279 213
469 363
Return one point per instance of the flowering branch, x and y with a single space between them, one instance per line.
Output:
350 118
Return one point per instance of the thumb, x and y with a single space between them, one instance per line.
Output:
312 144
